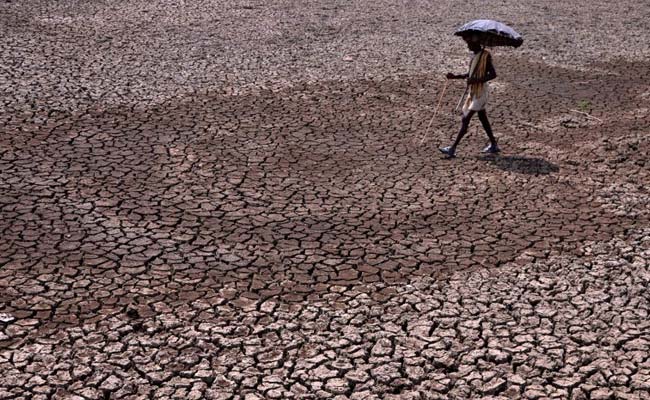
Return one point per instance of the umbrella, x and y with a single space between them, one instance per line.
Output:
490 33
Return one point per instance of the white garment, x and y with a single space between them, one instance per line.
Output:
479 101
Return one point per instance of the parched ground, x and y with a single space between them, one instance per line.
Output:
242 200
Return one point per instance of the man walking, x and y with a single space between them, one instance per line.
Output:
481 71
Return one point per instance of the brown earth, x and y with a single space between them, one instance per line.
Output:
243 201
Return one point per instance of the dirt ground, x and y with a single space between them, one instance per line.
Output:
241 200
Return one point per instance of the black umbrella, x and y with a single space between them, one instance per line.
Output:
490 33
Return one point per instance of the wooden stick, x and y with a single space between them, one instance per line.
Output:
461 99
435 112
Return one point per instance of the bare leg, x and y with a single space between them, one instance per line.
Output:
482 116
463 128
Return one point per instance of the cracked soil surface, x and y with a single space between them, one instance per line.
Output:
241 200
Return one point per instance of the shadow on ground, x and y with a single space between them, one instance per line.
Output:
521 164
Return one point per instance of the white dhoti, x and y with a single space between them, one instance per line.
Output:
478 101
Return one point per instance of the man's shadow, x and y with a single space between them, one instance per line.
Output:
521 164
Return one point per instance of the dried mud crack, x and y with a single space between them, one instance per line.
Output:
232 201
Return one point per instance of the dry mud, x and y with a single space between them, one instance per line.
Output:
241 200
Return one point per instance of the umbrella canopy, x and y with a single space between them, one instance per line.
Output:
490 33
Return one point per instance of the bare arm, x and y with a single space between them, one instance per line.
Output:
454 76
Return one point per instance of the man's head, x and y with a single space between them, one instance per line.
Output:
473 43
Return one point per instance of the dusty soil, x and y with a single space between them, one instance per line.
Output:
237 200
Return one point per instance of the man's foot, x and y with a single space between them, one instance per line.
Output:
450 151
493 149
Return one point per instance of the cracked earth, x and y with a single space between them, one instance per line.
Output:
211 200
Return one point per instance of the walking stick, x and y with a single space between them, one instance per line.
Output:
435 112
461 99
